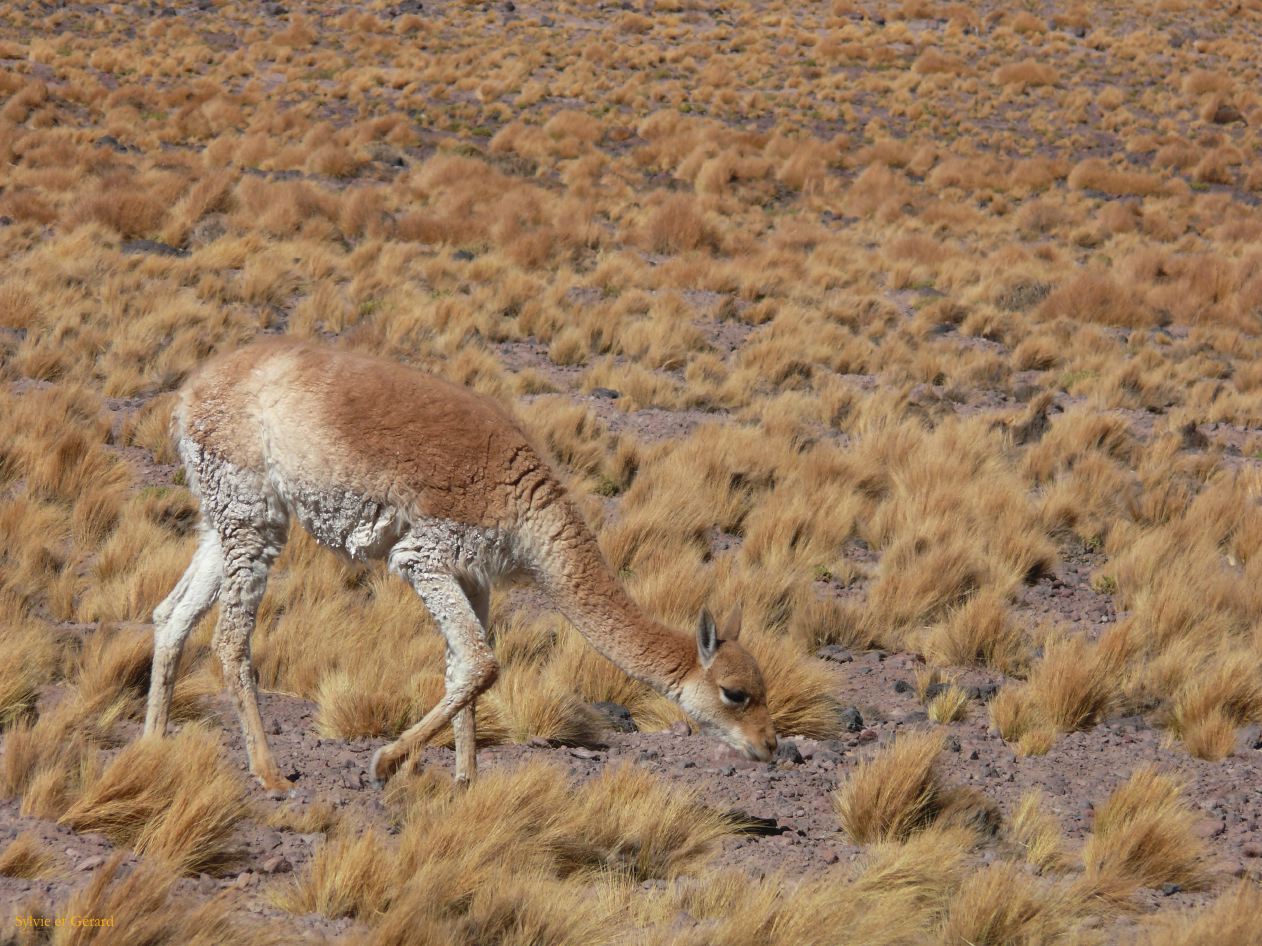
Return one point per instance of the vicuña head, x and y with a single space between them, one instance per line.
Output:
724 691
378 461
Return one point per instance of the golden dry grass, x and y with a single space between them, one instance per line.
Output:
146 910
171 800
26 857
895 792
1144 835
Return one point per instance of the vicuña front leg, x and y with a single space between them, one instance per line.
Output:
471 668
239 602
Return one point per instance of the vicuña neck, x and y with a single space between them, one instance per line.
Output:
584 589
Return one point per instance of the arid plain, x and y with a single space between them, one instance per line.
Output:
927 332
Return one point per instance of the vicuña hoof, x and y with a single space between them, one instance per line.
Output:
381 767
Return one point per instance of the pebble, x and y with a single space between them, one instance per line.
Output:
836 653
852 719
867 735
277 864
90 863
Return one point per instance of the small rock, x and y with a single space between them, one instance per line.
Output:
1225 114
836 653
1252 849
1209 828
277 864
902 686
244 879
935 689
275 729
787 751
852 719
207 230
973 756
616 715
680 728
728 770
953 744
983 692
132 247
580 753
1170 890
463 255
868 735
746 823
90 863
608 394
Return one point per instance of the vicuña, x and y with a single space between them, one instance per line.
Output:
379 461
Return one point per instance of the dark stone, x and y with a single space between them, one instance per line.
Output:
787 751
973 756
617 716
984 692
464 255
836 653
275 9
934 690
510 7
1170 890
902 686
745 823
1023 296
153 247
1193 439
952 744
608 394
851 719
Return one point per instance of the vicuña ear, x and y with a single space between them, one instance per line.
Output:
707 638
732 629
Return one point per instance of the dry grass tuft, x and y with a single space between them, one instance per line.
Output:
1039 833
352 874
1002 905
26 857
1145 835
1234 917
171 799
894 793
147 910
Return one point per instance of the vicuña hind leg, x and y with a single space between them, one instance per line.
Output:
248 554
174 618
464 723
471 668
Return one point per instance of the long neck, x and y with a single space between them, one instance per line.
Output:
572 571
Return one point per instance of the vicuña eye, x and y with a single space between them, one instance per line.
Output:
734 697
